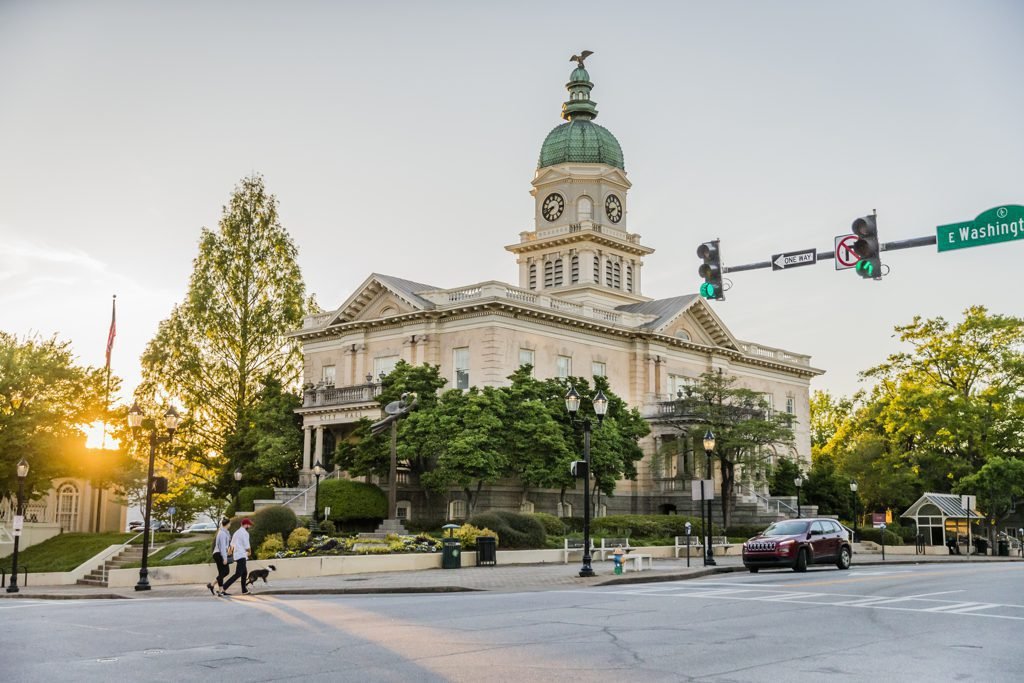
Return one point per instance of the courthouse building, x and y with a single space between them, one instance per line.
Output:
577 309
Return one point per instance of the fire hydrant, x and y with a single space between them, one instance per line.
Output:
617 558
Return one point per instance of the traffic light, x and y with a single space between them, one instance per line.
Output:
866 247
578 469
711 271
159 484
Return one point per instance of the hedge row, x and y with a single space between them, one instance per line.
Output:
515 530
352 500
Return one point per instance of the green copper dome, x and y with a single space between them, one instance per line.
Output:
580 140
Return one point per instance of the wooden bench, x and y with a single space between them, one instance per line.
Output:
608 546
574 545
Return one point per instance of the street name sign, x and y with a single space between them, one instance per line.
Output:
1001 224
805 257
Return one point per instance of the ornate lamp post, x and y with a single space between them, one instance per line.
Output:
853 494
572 404
798 482
709 448
19 516
135 421
318 471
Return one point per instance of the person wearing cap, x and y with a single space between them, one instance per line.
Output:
240 550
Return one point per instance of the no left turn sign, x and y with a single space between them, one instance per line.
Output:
845 258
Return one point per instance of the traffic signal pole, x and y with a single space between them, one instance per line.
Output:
829 255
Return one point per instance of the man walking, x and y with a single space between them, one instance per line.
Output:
239 550
220 554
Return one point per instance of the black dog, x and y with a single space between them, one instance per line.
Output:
260 574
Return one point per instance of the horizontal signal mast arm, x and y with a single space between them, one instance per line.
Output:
829 255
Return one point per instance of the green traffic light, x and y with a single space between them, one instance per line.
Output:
865 268
707 290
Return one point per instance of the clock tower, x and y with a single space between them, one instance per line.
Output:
580 246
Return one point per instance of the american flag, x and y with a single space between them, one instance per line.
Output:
113 329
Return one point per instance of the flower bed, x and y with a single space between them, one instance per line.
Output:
329 545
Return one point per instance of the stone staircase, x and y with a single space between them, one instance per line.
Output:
131 554
388 526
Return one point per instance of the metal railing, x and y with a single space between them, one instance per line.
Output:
304 494
779 507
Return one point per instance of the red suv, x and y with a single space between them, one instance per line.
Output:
798 543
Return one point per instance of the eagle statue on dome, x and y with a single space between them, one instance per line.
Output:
580 57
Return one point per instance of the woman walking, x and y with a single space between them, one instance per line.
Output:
240 550
220 554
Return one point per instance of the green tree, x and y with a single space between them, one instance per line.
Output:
464 434
998 484
46 400
743 424
213 353
268 444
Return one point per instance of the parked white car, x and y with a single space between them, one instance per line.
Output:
200 527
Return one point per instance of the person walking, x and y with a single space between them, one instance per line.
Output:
240 551
220 554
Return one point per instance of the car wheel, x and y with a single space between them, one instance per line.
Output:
843 561
752 570
801 561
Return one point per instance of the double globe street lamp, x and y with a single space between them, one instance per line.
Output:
709 448
19 520
572 404
135 421
318 471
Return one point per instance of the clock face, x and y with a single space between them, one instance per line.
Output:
613 207
552 207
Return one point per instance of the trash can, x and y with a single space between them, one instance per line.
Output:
486 551
981 546
1004 548
451 553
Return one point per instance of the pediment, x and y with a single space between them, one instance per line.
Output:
381 296
695 318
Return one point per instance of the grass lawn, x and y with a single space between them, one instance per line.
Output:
63 553
198 552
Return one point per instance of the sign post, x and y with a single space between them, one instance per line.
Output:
1001 224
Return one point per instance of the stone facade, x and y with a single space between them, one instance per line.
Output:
578 309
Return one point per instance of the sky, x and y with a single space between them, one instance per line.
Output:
401 138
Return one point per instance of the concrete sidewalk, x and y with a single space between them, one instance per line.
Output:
507 578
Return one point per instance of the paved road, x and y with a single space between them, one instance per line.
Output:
900 623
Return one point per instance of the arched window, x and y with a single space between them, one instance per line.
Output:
67 507
616 275
584 208
533 276
549 274
558 272
457 509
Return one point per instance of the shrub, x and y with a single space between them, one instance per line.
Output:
875 535
248 494
646 526
298 537
275 519
327 527
353 500
553 526
467 535
271 545
515 530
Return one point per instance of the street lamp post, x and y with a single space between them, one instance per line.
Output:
318 471
572 404
798 482
853 492
19 516
135 420
238 486
709 448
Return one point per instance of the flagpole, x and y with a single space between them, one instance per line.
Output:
106 405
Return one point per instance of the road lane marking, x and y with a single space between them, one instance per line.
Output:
926 595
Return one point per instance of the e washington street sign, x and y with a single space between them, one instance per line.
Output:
805 257
1001 224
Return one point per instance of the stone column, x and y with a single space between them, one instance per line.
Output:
307 433
318 454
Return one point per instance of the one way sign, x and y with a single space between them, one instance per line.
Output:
807 257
